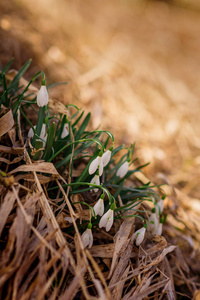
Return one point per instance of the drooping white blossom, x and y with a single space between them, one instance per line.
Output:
43 134
138 236
65 131
87 238
123 169
106 157
99 207
95 180
152 222
42 96
95 164
158 230
159 207
107 220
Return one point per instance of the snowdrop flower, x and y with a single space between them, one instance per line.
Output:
43 134
65 131
152 221
95 164
138 236
107 219
42 96
106 157
158 229
99 206
159 207
95 180
87 237
123 169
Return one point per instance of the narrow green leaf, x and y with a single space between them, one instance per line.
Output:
82 127
20 74
78 119
7 67
55 84
49 143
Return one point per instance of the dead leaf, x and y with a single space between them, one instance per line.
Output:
43 167
6 208
6 121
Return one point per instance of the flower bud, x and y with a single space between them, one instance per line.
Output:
138 236
106 157
87 238
123 169
42 96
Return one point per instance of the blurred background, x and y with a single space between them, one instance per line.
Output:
134 64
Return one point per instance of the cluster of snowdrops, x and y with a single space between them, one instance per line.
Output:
38 135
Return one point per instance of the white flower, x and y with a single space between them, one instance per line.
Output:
95 180
42 96
107 220
158 230
106 157
65 131
99 207
43 134
152 222
123 169
87 238
97 162
159 206
138 236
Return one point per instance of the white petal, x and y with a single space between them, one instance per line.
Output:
99 207
31 133
104 219
158 230
95 180
159 207
90 239
85 238
42 96
123 169
94 165
110 221
106 157
65 131
43 134
140 236
152 222
100 167
107 220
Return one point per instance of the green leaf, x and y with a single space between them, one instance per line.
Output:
19 74
82 127
7 67
49 143
78 119
55 84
